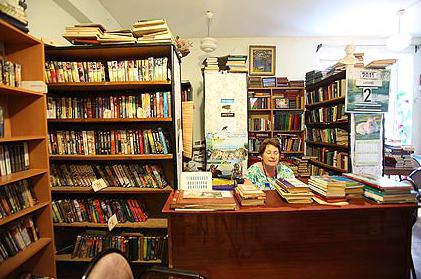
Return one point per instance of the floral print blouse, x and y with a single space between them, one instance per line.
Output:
257 176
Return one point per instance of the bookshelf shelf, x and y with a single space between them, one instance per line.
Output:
6 179
288 109
18 91
111 190
327 102
22 213
22 138
331 145
276 88
68 258
95 86
151 223
326 81
259 110
288 131
112 157
326 166
327 124
110 120
16 261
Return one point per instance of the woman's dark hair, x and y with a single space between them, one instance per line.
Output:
271 141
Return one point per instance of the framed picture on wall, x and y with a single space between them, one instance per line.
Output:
262 60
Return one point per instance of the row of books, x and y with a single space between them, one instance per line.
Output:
136 246
256 82
326 114
259 102
255 139
289 142
333 136
249 195
284 121
293 190
334 90
17 237
98 210
16 196
285 101
114 175
10 73
259 124
14 157
333 158
398 156
143 105
151 69
231 63
115 142
316 170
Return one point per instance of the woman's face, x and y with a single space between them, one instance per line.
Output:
270 156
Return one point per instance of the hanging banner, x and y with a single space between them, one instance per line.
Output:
367 90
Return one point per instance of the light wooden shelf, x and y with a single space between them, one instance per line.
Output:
110 120
112 157
326 166
6 179
108 85
14 262
109 190
151 223
324 144
18 91
23 212
11 35
253 131
68 258
327 102
287 131
259 110
21 138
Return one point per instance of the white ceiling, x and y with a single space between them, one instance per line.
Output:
273 18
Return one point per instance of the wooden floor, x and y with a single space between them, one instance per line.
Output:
416 245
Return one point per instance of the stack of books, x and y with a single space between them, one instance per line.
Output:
87 33
255 82
152 31
384 190
123 36
302 165
398 156
237 63
203 201
353 189
14 12
222 184
249 195
327 189
293 190
211 64
380 64
296 83
360 57
282 82
313 77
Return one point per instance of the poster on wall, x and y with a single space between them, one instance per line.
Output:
367 143
367 90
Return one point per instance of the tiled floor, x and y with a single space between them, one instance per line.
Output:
416 245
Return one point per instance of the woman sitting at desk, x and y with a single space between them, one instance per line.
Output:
264 174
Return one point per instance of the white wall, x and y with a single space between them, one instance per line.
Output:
294 57
416 116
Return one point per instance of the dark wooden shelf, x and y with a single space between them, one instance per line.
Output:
326 166
325 144
259 110
288 109
107 85
110 190
327 124
253 131
288 131
327 102
397 171
68 258
21 138
6 179
292 152
110 120
112 157
326 81
276 88
18 91
151 223
17 260
22 213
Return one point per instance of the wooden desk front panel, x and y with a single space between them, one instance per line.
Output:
328 244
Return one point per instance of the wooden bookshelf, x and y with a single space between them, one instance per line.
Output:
268 110
151 223
24 118
331 89
153 199
68 258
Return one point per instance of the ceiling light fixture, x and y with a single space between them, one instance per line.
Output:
401 40
208 44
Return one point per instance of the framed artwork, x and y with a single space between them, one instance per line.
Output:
262 60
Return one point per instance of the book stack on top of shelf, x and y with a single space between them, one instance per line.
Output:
152 31
249 195
293 190
14 12
112 140
398 156
327 124
384 190
25 208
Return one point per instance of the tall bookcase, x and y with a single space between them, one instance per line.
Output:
276 112
152 198
24 118
327 126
